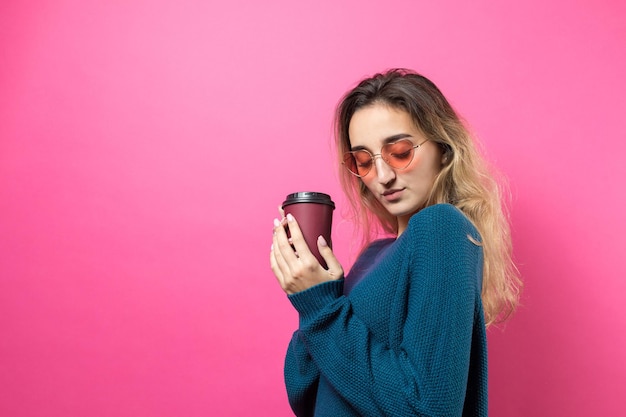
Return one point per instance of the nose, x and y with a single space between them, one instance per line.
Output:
384 173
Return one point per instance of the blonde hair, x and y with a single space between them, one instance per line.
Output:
464 181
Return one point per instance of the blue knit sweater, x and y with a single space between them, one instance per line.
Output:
407 340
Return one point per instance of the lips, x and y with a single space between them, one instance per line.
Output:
393 194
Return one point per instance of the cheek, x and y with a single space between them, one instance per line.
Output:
368 184
421 173
368 181
425 165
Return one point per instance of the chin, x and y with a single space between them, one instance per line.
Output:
405 211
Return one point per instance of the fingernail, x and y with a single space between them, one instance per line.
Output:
276 223
322 241
290 217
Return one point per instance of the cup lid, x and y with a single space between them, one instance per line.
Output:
308 197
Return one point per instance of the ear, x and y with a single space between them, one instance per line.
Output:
446 154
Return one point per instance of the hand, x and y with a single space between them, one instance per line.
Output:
295 267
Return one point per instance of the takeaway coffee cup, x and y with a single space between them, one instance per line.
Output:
314 213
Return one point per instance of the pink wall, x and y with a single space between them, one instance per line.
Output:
144 147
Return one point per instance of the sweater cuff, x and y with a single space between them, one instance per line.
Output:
311 301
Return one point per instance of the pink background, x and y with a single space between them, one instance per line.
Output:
145 145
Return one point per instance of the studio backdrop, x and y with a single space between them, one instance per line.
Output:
146 145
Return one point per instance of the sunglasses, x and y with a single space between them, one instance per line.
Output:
398 155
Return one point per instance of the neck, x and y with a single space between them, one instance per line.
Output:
402 224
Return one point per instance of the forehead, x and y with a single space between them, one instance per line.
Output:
376 123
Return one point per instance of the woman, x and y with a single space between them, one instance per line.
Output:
404 333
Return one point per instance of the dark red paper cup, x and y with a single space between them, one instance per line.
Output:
314 213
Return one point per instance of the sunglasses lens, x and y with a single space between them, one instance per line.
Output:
398 154
358 162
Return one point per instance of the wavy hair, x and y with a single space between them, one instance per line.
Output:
465 180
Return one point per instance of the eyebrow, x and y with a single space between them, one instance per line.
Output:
390 139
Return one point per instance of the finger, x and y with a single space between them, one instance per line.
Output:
273 260
281 211
334 267
281 269
274 265
297 238
282 246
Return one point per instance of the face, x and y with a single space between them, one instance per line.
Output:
402 192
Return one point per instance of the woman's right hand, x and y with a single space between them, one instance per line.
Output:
292 262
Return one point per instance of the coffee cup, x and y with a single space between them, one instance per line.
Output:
314 214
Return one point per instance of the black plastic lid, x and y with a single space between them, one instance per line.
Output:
308 197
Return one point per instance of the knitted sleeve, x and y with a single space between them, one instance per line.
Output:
301 372
302 378
426 374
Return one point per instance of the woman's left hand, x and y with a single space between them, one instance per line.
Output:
295 267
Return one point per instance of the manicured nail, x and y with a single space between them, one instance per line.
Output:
276 223
322 241
290 217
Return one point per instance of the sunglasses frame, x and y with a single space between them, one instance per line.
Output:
372 156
